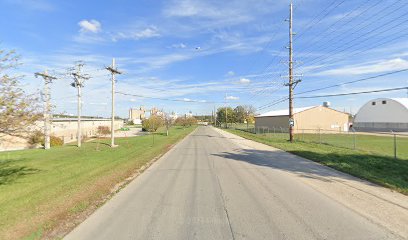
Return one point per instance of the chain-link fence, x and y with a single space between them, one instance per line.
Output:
390 144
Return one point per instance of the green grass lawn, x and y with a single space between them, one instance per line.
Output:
375 144
40 189
380 145
367 164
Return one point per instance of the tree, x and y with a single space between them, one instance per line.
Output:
185 121
240 114
167 122
221 115
153 123
18 110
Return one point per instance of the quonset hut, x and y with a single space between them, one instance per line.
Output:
383 115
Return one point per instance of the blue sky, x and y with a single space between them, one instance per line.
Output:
203 50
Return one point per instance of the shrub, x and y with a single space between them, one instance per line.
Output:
36 138
152 124
103 130
181 121
56 141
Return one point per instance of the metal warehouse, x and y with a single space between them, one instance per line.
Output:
305 119
383 114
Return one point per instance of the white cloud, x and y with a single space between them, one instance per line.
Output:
90 26
244 81
148 32
231 98
230 73
376 67
178 45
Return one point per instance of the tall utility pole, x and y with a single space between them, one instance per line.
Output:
113 71
292 83
290 72
47 106
79 84
226 112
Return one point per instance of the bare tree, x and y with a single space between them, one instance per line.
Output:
18 110
167 122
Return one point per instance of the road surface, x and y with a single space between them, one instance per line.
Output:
210 186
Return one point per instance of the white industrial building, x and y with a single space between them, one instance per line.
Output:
64 128
383 114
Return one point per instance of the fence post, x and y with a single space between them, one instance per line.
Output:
354 140
320 137
395 145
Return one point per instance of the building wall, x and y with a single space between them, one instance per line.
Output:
67 130
380 127
64 129
322 118
12 143
271 122
137 115
312 120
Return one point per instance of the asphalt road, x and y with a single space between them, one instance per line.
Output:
208 187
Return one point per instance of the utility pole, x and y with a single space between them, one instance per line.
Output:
291 73
47 106
292 83
226 112
215 116
79 84
113 71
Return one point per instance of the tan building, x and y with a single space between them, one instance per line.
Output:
64 128
305 119
137 115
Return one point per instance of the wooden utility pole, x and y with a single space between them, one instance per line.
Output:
291 73
113 71
292 83
226 112
79 84
47 106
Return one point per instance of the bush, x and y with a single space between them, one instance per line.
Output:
103 130
38 138
181 121
152 124
56 141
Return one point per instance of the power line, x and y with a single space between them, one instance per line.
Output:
314 41
310 25
165 99
368 36
354 81
356 93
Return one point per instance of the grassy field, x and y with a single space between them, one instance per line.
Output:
40 189
376 144
381 169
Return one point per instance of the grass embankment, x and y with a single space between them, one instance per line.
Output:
39 189
381 169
